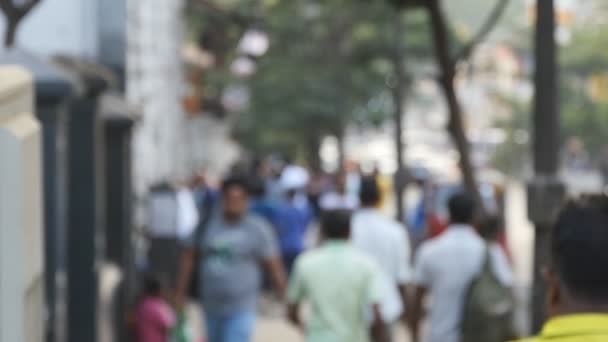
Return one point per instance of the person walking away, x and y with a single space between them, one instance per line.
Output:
339 282
445 267
492 232
603 166
489 304
386 241
260 204
577 283
205 195
292 221
154 317
232 251
339 198
354 175
172 217
317 185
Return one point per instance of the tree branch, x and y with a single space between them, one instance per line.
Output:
25 9
483 32
15 13
7 7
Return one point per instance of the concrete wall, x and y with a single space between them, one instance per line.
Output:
21 267
168 144
155 83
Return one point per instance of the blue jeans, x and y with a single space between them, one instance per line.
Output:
236 327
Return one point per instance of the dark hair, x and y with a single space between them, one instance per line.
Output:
291 193
369 193
462 208
335 224
257 187
236 182
152 285
490 227
579 248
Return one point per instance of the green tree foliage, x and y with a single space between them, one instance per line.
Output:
584 84
584 113
325 64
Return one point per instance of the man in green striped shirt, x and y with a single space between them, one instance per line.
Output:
341 284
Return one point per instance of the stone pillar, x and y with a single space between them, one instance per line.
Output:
85 201
53 89
118 125
51 99
21 239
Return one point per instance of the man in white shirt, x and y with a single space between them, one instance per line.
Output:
172 217
339 198
445 268
385 240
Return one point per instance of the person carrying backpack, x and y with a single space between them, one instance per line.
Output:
489 305
445 269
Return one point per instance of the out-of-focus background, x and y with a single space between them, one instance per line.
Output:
103 100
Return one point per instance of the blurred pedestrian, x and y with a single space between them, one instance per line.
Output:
354 175
577 284
339 282
260 204
489 305
491 230
205 194
603 166
172 217
154 316
445 268
232 251
339 198
418 220
386 241
291 222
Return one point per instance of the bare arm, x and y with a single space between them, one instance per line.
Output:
416 312
274 266
406 294
186 267
379 332
293 314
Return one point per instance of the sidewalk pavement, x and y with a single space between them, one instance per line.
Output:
272 326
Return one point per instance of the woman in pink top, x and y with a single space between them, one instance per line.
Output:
155 318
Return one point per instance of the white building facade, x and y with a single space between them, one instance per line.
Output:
169 144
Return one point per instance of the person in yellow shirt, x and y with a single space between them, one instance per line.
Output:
578 279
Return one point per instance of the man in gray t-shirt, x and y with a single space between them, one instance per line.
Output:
233 250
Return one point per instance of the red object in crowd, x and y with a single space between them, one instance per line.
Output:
438 227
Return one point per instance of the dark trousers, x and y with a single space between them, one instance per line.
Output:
164 257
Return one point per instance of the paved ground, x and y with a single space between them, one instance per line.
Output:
274 330
271 326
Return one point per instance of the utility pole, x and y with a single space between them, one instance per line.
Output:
545 192
398 89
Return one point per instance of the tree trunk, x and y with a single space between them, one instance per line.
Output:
313 148
11 32
455 126
398 99
341 148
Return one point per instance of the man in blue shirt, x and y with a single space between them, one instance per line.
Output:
291 222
